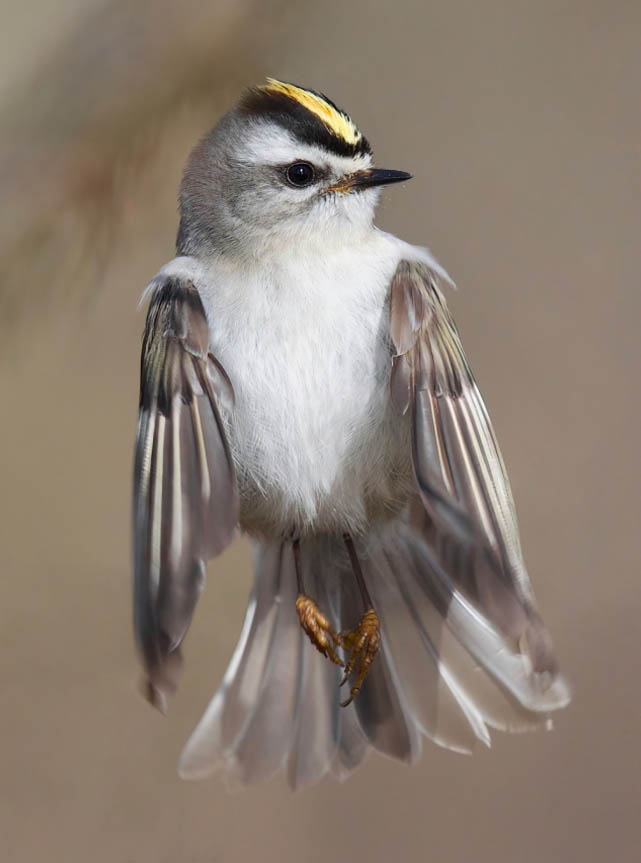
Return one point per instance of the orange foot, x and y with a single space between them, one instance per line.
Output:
318 628
364 643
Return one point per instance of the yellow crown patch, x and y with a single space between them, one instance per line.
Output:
337 122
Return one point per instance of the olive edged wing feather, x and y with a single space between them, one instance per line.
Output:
185 503
467 513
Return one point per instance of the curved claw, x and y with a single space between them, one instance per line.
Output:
364 643
318 628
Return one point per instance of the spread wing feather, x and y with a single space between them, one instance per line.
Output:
467 514
185 504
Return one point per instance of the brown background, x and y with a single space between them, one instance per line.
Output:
521 124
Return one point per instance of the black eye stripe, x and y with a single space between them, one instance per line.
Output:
300 174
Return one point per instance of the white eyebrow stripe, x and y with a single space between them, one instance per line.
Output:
269 144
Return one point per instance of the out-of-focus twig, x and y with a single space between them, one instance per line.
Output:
98 103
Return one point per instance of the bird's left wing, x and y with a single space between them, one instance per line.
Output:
468 514
185 502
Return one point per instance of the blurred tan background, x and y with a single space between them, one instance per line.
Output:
521 122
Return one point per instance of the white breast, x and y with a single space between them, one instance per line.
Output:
304 342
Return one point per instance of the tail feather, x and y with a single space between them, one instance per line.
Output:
325 572
231 708
273 719
319 721
352 745
314 742
441 709
381 706
443 671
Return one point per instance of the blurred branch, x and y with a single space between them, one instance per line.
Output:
99 103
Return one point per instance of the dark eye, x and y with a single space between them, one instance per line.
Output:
300 174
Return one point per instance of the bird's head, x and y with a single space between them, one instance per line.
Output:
285 165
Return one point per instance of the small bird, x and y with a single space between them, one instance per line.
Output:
303 380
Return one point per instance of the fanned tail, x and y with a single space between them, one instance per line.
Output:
443 671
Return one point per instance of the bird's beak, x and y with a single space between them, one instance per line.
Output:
368 178
377 177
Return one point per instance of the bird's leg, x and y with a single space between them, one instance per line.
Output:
315 624
365 640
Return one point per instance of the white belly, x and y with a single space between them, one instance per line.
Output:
316 443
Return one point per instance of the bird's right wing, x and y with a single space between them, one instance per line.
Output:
185 503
